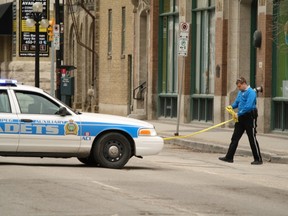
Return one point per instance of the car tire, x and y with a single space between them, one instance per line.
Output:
89 161
112 150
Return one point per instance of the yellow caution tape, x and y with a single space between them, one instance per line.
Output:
231 111
198 132
228 108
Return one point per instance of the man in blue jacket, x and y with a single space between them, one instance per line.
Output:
247 121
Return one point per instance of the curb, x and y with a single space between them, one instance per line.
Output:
214 148
279 159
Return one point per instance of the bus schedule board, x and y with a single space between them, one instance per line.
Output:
27 34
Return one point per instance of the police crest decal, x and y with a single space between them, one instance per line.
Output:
71 128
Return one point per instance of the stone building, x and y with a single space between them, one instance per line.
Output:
17 44
116 41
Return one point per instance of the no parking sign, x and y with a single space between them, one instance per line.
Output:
184 27
183 39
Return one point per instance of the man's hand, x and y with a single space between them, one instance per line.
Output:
229 107
231 111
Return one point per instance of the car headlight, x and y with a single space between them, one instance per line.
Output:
147 132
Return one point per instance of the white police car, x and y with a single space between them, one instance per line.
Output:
33 123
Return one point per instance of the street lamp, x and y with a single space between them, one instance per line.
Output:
37 18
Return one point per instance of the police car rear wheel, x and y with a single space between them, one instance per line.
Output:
112 150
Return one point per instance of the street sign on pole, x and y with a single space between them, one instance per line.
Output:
56 32
183 39
182 52
183 47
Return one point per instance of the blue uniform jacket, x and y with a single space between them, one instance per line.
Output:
245 101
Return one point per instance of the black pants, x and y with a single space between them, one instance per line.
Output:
248 123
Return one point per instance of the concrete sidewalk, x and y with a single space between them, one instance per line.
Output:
274 147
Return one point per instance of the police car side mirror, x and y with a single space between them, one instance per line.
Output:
62 111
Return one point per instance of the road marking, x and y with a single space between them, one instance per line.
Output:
105 185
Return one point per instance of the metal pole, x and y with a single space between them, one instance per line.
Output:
37 78
180 77
58 52
52 90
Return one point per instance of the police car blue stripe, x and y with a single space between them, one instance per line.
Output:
14 126
97 127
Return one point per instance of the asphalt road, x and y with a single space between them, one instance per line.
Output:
176 182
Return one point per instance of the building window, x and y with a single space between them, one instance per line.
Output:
123 31
280 66
109 32
168 82
203 59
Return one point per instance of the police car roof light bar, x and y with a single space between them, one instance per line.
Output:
8 82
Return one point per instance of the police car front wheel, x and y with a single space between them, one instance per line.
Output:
112 150
89 161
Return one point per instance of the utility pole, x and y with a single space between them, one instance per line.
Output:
58 53
182 52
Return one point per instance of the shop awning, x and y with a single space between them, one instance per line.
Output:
6 17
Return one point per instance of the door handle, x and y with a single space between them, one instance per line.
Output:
26 120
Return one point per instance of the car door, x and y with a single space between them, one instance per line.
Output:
9 124
42 129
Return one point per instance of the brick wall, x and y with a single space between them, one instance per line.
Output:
221 38
264 55
113 71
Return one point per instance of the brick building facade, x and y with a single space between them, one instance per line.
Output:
221 50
